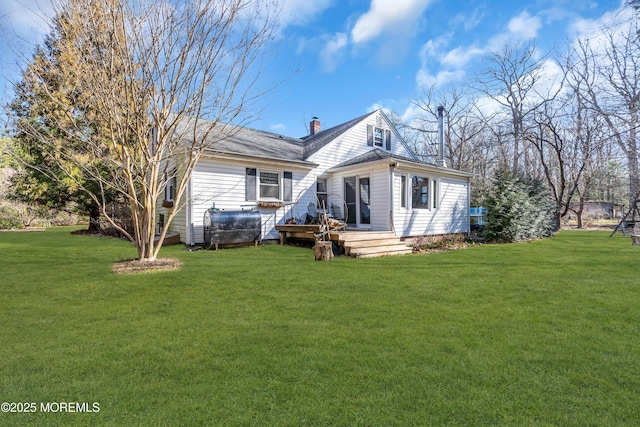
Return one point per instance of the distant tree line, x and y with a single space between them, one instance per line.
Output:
568 120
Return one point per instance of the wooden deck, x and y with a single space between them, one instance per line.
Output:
353 243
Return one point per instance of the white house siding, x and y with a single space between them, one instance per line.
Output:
452 216
379 192
222 181
354 143
179 222
380 198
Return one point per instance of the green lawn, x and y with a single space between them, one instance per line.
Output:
542 333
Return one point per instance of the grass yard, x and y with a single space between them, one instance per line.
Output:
537 334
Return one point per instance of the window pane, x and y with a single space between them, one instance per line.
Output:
287 186
321 185
420 192
350 198
434 191
321 193
250 184
365 212
377 136
403 191
269 185
268 178
269 192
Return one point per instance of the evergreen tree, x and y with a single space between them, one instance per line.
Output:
518 210
48 107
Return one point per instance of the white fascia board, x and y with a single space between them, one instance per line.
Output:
404 164
260 160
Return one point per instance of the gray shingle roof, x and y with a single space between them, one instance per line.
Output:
372 156
258 143
244 141
379 154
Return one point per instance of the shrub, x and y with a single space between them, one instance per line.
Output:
10 218
518 209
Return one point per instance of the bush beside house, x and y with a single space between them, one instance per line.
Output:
518 210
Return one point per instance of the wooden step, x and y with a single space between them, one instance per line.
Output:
385 249
351 236
404 251
372 242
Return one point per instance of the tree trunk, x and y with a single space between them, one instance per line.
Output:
634 169
323 251
94 218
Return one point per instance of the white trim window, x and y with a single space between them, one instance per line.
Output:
419 192
321 193
425 192
268 185
404 199
378 136
170 188
435 193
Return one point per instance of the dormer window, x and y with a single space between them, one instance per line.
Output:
378 137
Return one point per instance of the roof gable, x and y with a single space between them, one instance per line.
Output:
316 141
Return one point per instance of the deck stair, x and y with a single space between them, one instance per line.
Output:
369 244
356 244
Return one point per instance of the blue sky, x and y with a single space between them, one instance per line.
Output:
339 59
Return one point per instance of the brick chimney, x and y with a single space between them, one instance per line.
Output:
314 126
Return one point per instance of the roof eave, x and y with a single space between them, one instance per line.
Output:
406 163
217 154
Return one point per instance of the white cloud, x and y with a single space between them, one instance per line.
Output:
27 21
550 77
426 80
619 20
278 127
395 16
379 106
301 12
524 26
433 48
460 56
332 51
468 21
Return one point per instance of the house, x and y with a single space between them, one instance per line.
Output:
361 170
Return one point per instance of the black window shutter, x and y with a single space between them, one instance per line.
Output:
387 138
250 185
288 186
370 135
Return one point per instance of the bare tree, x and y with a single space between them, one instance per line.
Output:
462 129
610 66
512 81
567 136
151 72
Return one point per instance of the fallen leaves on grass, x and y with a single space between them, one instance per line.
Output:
136 266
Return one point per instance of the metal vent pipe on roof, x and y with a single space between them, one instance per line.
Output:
441 161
